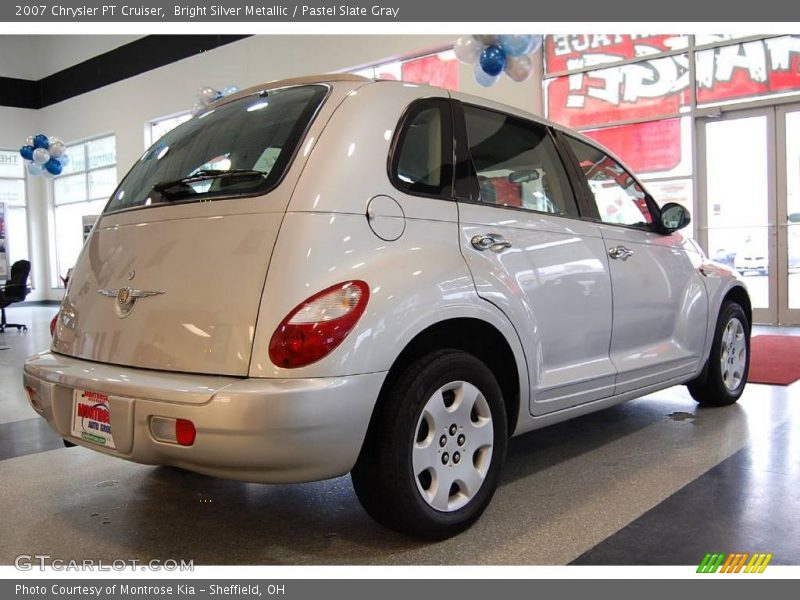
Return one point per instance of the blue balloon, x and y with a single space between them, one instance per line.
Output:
493 60
40 141
63 159
34 169
481 78
26 152
53 167
516 45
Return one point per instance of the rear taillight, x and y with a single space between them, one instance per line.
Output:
33 398
318 325
53 325
173 431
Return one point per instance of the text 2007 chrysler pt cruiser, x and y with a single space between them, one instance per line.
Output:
332 274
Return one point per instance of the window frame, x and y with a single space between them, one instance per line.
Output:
593 214
448 145
25 207
469 186
84 144
370 70
56 282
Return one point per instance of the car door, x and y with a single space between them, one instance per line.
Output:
660 305
531 256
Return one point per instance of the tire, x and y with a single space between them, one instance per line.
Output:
411 421
718 386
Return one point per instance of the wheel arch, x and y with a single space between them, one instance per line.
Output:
739 294
475 336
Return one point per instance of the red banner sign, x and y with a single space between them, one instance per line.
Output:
567 52
650 147
659 87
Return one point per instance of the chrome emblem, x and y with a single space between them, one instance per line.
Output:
124 295
126 298
131 275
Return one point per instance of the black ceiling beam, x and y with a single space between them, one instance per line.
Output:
129 60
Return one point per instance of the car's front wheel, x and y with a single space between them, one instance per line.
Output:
729 361
433 455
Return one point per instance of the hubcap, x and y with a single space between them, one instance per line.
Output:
733 355
449 474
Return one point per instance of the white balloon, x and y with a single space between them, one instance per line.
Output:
468 50
40 156
29 140
57 147
518 68
482 78
537 43
207 95
487 40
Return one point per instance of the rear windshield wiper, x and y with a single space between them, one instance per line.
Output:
167 188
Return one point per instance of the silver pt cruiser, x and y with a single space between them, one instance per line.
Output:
333 274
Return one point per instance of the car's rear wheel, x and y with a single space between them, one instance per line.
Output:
433 455
729 361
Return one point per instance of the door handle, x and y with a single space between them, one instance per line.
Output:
490 241
620 252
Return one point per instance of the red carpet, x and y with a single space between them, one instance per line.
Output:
774 359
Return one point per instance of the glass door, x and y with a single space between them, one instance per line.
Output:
738 185
750 204
788 143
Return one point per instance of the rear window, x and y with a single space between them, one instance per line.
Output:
241 148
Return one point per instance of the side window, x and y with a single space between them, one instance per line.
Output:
422 155
620 200
517 163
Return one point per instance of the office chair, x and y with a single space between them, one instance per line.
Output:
14 290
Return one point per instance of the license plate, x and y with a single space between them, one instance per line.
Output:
91 418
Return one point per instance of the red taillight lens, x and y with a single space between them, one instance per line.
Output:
53 325
185 432
318 325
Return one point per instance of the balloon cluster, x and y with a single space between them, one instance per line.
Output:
208 95
45 155
493 55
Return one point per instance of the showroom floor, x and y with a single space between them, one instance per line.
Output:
654 481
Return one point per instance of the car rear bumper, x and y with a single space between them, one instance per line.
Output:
261 430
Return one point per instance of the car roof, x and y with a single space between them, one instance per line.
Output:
330 78
341 79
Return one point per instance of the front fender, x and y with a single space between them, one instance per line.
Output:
719 280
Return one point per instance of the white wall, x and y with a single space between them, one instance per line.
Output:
126 107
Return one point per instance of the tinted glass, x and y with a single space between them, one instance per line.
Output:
419 165
620 200
517 163
255 133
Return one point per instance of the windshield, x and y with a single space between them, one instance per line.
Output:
240 148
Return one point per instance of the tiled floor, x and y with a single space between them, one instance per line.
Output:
656 480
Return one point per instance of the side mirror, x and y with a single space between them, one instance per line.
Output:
674 217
